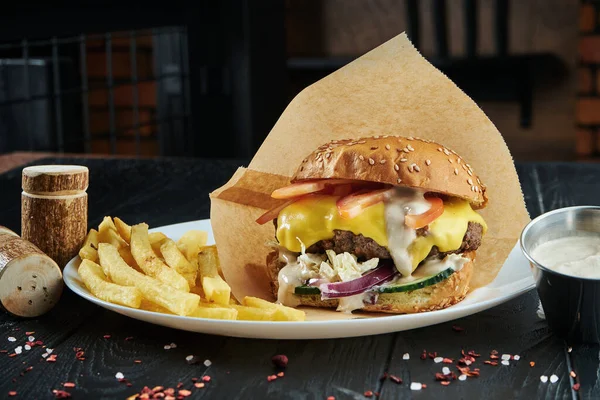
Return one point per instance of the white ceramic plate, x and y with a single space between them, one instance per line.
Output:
514 278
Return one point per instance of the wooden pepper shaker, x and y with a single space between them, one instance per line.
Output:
54 209
30 281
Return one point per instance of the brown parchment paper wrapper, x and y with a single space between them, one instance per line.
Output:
391 90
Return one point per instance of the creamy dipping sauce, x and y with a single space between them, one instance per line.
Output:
575 256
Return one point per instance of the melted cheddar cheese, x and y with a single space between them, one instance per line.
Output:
315 217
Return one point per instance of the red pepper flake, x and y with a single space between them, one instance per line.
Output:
12 393
445 383
106 336
184 393
51 358
532 363
368 393
3 351
494 357
396 379
330 398
271 378
433 355
128 338
179 385
39 343
28 368
441 377
137 361
12 355
383 377
573 374
493 363
61 394
447 361
473 354
199 385
206 378
194 379
457 328
467 371
280 374
280 360
29 333
69 385
169 391
424 354
80 354
494 352
424 386
576 387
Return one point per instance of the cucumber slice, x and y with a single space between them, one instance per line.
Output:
416 282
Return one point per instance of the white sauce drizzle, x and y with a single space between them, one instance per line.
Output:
402 202
575 256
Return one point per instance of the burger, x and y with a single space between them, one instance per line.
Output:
380 224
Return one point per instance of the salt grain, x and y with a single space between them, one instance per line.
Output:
415 386
569 349
505 362
19 350
446 371
554 379
27 347
438 360
31 339
11 339
516 357
207 363
119 375
406 356
49 351
544 378
505 356
167 347
44 355
173 345
462 377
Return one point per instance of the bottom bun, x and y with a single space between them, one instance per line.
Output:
435 297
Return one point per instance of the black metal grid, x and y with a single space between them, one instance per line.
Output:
59 64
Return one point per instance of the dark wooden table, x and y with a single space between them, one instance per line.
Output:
162 192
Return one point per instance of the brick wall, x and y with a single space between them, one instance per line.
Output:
588 91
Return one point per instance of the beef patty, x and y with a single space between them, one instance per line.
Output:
365 248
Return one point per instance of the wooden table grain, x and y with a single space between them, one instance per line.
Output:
167 191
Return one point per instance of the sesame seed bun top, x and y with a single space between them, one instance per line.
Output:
396 160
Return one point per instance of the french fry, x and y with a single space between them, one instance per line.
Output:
89 250
176 260
156 239
191 242
150 306
123 229
246 313
282 313
111 236
147 260
176 301
106 224
94 279
215 313
215 288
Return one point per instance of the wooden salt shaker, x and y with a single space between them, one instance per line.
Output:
54 209
30 281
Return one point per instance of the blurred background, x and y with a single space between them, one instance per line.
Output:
210 78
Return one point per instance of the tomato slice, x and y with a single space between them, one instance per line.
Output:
274 212
352 205
301 188
417 221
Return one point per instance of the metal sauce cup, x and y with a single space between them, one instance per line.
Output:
571 303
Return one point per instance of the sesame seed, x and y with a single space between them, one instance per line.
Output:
403 160
417 168
472 188
371 161
468 166
428 162
382 161
409 147
376 137
399 180
450 161
387 147
476 189
406 356
439 149
446 152
361 158
406 150
455 171
362 142
458 160
396 167
410 167
462 377
554 379
410 138
374 147
470 173
328 155
470 181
